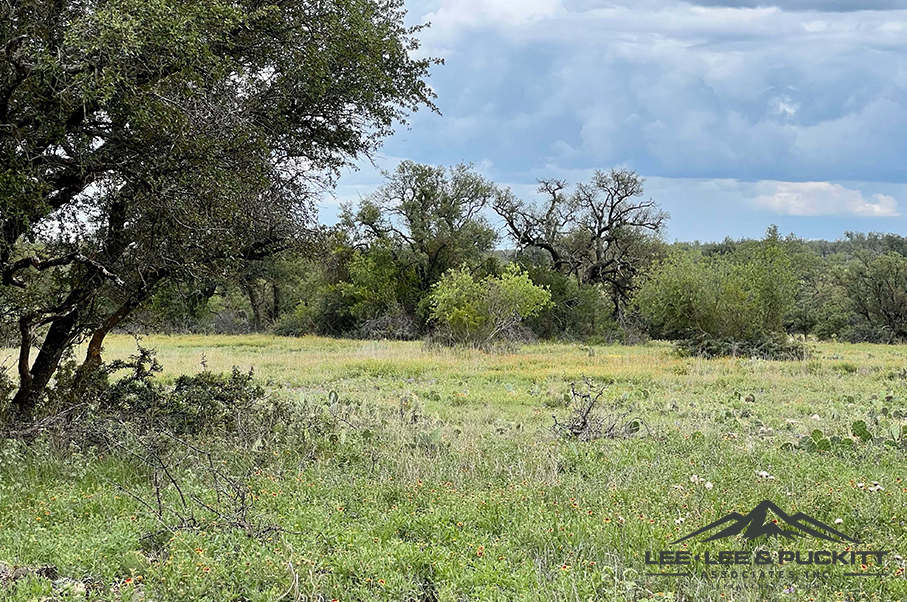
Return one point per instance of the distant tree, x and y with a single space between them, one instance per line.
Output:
151 141
429 219
603 232
877 286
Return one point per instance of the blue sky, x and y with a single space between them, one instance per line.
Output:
738 114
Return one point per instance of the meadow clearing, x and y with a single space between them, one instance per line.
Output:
435 475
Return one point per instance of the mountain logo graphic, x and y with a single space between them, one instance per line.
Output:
755 524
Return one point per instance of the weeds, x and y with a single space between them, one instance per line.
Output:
587 424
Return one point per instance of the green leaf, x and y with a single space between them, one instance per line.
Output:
860 430
807 444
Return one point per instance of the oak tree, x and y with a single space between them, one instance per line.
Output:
146 141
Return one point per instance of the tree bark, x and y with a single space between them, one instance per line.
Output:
255 302
93 358
33 382
275 290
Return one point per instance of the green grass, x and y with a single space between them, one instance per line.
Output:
458 489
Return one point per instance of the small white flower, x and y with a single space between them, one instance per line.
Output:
816 417
678 521
708 485
762 474
861 485
838 521
694 478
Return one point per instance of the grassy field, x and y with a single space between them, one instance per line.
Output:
436 476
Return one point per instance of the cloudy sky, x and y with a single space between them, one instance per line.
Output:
739 114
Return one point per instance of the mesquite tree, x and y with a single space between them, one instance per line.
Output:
143 141
602 232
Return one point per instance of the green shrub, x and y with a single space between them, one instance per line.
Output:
487 311
733 304
689 295
201 404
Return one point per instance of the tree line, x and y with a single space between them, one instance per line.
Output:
597 249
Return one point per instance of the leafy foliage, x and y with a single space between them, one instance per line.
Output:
720 303
877 286
483 312
143 143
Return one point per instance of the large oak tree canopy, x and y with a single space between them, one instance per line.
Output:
146 140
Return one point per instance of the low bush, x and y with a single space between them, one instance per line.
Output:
396 325
84 409
487 312
766 347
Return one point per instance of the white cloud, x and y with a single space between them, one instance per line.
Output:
484 13
784 105
822 198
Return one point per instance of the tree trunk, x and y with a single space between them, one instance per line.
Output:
33 382
276 306
63 331
255 302
93 358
